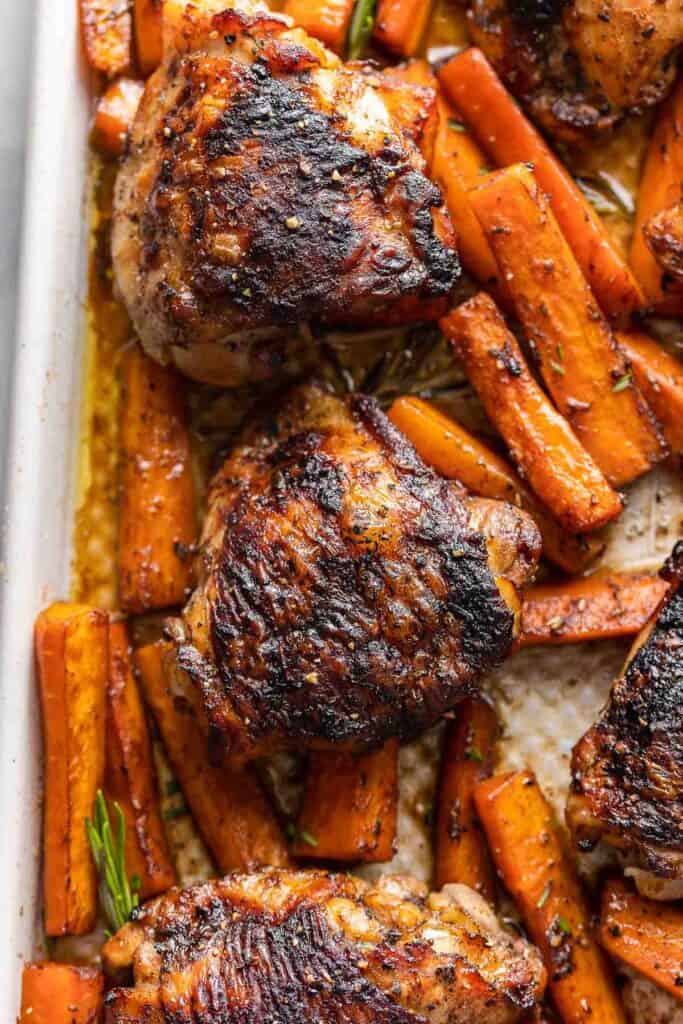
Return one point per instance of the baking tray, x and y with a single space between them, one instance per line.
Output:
42 454
554 686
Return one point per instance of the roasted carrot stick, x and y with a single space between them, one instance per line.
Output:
457 454
660 187
528 852
53 993
130 776
349 807
646 934
460 852
147 16
327 20
107 35
595 608
541 442
400 25
157 519
114 116
71 654
584 371
227 802
508 137
660 377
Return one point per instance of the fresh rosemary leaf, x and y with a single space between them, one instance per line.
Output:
598 199
623 382
360 29
455 125
308 838
544 896
472 754
118 895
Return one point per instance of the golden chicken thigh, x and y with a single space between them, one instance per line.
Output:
318 948
267 186
347 593
580 65
628 768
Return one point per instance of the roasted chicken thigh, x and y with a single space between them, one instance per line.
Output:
628 769
317 948
580 65
268 185
347 593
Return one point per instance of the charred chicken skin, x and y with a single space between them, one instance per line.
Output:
317 948
628 768
269 185
347 593
581 65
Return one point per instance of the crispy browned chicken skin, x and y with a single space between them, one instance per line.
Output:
580 65
664 236
268 185
316 948
628 769
347 593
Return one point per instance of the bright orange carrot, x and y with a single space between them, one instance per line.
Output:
660 187
53 993
107 35
147 21
131 776
349 807
595 608
528 851
646 934
228 805
116 109
660 377
457 454
582 367
457 166
400 25
460 852
327 20
72 658
541 442
157 517
508 137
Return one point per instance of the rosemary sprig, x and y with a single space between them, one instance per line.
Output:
118 895
361 27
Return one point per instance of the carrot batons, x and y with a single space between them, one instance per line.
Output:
595 608
645 934
349 807
53 993
130 775
528 852
107 35
157 518
457 454
227 803
541 442
508 137
71 655
660 378
582 367
460 852
457 165
116 109
400 25
147 22
660 188
327 20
